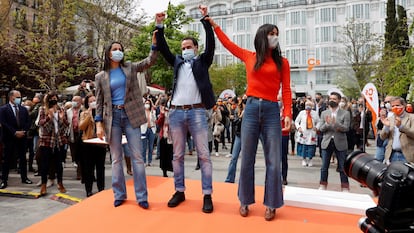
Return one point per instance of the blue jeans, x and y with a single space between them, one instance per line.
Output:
261 118
120 125
231 174
148 145
397 156
326 161
380 152
309 151
195 121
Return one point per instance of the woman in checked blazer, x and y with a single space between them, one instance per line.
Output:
120 110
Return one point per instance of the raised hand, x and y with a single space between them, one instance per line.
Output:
159 17
203 10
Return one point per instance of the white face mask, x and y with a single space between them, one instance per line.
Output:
388 106
273 41
117 55
188 54
92 104
147 106
74 104
341 104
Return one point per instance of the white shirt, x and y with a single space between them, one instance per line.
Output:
186 91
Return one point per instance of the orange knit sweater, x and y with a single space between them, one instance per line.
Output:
265 82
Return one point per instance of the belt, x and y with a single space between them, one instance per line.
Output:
188 106
260 99
396 150
118 106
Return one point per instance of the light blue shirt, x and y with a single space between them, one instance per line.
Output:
118 85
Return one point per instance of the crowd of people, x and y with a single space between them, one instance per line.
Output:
111 109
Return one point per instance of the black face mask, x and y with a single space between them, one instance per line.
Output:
317 99
333 104
52 103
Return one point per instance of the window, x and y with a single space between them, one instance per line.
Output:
327 55
296 36
242 24
296 56
219 9
243 6
296 18
325 15
272 19
243 40
298 78
324 77
325 34
358 11
195 13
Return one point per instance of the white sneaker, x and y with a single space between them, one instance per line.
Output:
322 187
50 183
228 156
345 190
304 164
310 164
217 154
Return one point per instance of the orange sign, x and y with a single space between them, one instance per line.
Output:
312 62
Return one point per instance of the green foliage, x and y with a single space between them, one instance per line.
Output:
391 25
230 77
361 50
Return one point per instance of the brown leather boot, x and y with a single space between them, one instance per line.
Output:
61 188
43 190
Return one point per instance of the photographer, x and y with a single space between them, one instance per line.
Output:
398 129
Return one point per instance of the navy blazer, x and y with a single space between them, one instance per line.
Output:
9 122
200 64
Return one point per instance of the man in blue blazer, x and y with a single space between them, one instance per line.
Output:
15 122
192 95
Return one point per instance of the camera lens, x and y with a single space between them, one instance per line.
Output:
365 169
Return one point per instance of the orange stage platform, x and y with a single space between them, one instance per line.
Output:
97 214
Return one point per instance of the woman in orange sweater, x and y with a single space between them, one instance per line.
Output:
266 72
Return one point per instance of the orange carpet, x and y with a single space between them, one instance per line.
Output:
97 214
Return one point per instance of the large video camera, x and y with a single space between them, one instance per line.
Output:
394 186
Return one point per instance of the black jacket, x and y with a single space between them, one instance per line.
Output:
200 64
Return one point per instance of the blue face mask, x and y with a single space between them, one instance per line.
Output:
117 55
188 54
17 101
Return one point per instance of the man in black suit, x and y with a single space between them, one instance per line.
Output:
15 122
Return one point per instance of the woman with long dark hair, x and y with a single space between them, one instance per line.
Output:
53 126
267 71
120 110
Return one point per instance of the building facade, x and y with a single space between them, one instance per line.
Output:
308 32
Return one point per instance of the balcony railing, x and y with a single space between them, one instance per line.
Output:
241 10
268 6
217 13
295 3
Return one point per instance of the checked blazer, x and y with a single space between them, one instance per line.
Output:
133 104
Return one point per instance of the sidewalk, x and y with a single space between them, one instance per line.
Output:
19 213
